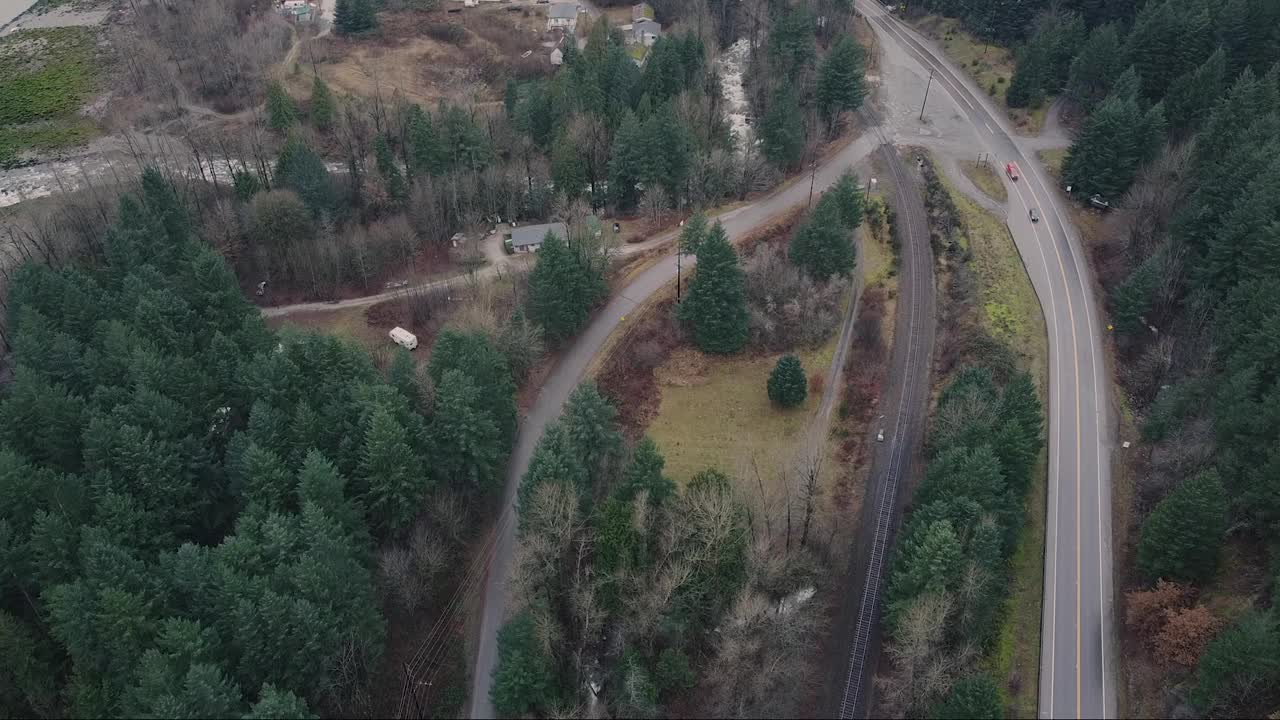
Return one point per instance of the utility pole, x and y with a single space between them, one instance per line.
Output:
813 174
679 254
926 94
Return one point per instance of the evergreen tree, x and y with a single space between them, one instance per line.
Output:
692 234
823 245
1116 139
1099 62
1168 39
523 682
276 704
300 169
589 423
627 162
351 17
322 105
782 131
973 698
1239 671
841 86
521 342
568 169
246 184
791 43
644 474
467 451
282 113
929 560
395 476
475 356
427 154
1182 537
1193 95
397 187
787 385
562 290
716 306
403 376
848 197
163 203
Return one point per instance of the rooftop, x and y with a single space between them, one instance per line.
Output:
564 10
534 234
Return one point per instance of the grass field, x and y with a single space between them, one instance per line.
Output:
991 66
715 411
1012 313
985 177
46 76
1011 310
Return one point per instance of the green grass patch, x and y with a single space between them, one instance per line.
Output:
990 65
1011 309
45 136
715 411
1053 160
876 256
46 76
987 180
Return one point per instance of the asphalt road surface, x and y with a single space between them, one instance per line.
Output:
1077 638
569 372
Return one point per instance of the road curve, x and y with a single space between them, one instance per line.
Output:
569 372
1076 642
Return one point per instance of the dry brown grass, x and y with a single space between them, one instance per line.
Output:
404 57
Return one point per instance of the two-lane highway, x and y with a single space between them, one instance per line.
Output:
1076 637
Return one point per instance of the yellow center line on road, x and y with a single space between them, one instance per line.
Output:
889 25
1075 361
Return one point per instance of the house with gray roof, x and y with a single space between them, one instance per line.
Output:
645 32
529 238
563 15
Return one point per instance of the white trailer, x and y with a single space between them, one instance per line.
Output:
404 338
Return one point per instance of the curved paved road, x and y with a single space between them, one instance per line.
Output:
569 372
1076 642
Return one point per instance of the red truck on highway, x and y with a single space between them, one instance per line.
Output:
1012 169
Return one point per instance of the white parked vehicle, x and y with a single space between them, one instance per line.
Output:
404 338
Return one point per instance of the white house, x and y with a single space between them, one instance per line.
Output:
563 15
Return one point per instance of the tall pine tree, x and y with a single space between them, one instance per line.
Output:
782 131
1182 537
716 306
841 86
562 290
322 109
